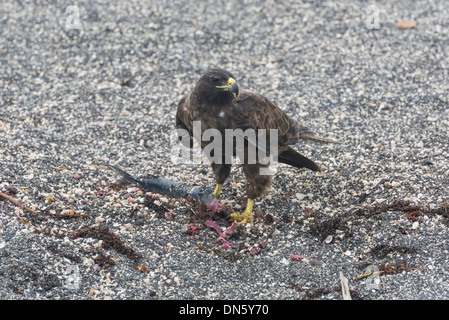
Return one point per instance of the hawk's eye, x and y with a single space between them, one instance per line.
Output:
216 80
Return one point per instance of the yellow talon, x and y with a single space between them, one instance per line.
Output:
246 216
217 191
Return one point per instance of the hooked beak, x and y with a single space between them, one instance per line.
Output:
235 89
230 86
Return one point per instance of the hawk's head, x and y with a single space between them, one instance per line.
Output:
216 87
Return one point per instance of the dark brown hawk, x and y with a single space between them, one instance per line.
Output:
217 103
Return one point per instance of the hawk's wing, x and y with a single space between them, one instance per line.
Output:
257 112
184 122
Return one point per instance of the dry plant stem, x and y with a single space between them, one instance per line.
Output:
8 120
366 275
23 207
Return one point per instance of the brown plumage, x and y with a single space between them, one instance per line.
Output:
217 103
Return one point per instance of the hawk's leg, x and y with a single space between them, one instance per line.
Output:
221 172
217 190
257 183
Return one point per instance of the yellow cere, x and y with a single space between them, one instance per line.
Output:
231 81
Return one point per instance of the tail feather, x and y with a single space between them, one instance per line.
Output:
293 158
304 133
316 138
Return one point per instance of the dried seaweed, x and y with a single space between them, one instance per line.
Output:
110 240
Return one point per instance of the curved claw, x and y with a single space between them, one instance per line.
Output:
246 216
242 218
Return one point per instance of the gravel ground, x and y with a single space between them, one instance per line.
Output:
76 93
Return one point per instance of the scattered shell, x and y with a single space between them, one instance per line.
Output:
406 24
80 191
300 196
285 261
